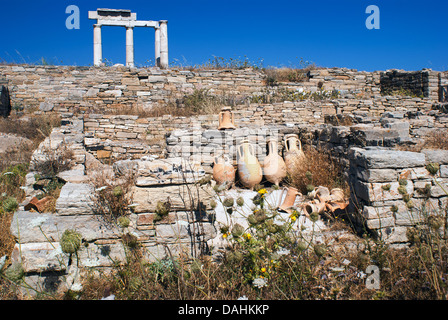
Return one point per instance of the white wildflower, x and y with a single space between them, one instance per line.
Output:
2 262
243 298
101 189
259 283
283 252
77 287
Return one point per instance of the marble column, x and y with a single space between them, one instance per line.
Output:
163 44
130 47
97 46
157 46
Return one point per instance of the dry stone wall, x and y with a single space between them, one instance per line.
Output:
65 88
395 190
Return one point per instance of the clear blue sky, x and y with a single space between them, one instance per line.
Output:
330 33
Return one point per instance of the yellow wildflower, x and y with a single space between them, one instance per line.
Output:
263 269
225 235
293 217
262 191
247 236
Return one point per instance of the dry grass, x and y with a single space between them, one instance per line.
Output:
35 128
112 197
318 169
435 139
200 102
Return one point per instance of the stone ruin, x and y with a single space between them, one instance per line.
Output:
169 156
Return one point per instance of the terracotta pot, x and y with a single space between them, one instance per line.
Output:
274 168
223 170
322 193
290 198
226 119
333 206
37 205
337 195
294 155
314 206
249 169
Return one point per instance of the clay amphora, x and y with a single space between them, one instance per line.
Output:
223 171
337 195
322 193
226 119
37 205
314 206
293 152
249 169
290 198
274 168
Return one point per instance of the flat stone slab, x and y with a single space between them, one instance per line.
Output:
29 227
40 257
75 199
168 171
436 156
377 158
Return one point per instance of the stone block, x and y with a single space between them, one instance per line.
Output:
380 223
34 227
370 212
436 156
181 197
168 171
75 199
172 232
383 158
377 175
40 257
373 192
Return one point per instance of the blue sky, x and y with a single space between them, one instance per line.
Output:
330 33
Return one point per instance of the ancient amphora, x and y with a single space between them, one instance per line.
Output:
337 195
294 155
289 200
314 206
249 169
223 170
274 168
226 119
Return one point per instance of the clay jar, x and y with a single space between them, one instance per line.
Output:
249 169
226 119
290 198
223 170
274 168
294 155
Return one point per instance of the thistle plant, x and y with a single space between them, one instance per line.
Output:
269 238
70 241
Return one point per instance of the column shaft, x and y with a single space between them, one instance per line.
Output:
163 44
157 46
130 47
97 45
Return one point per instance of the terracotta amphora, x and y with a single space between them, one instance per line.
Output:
290 198
274 168
226 119
223 171
314 206
37 205
337 195
249 169
293 152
